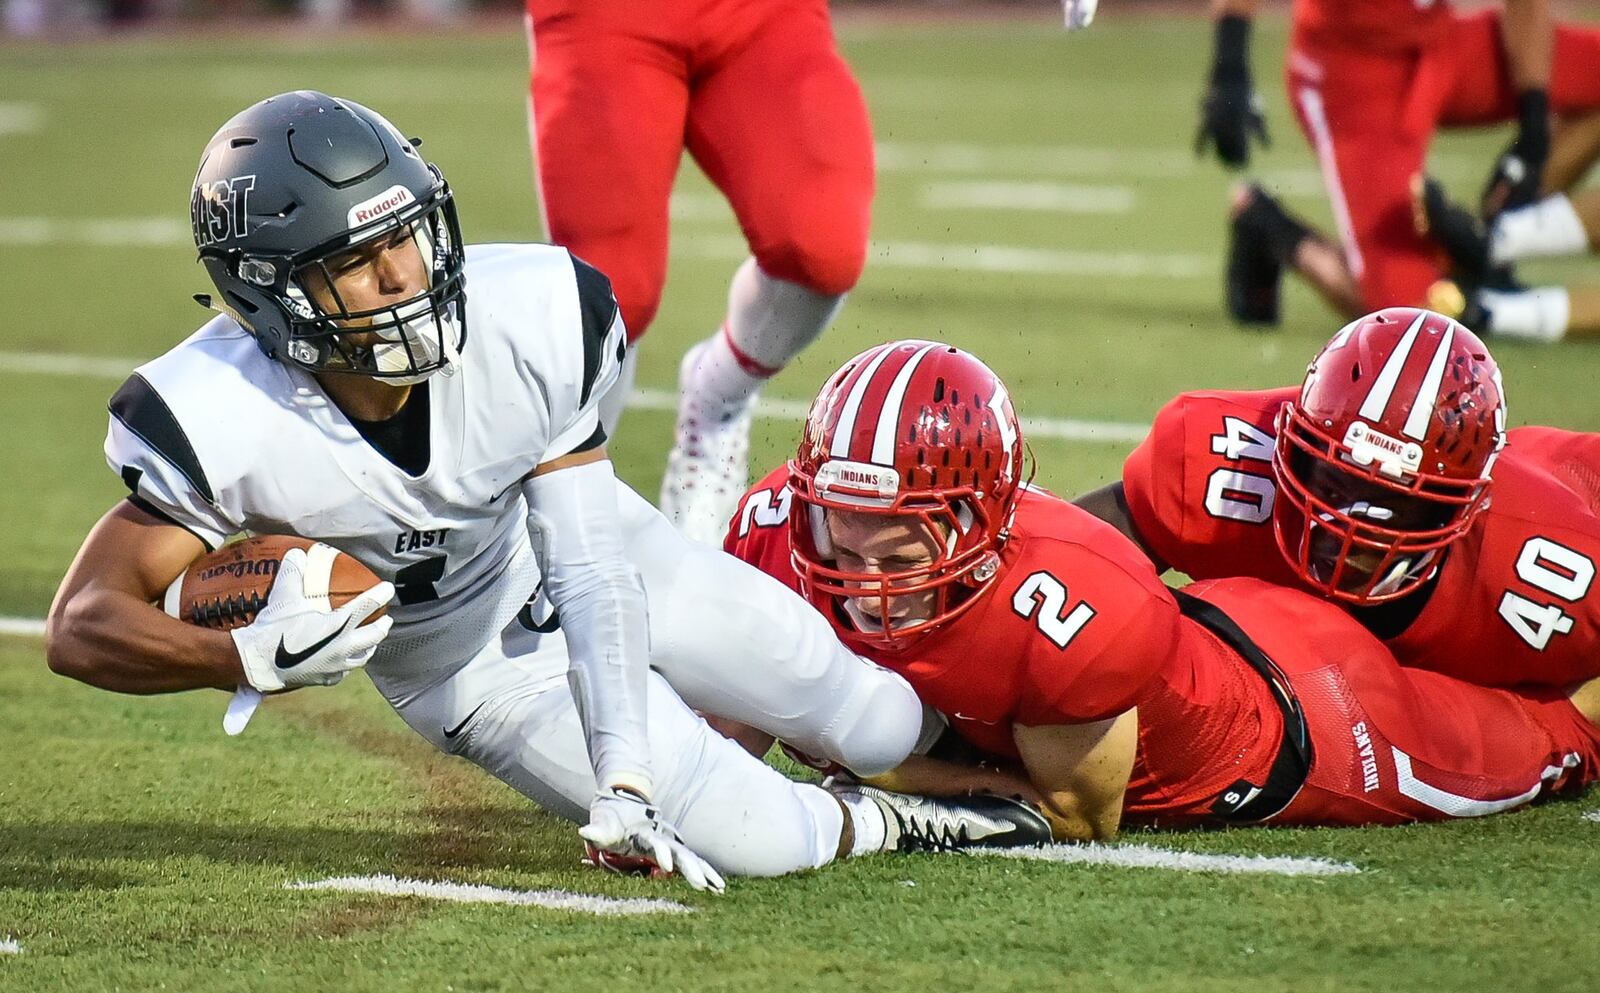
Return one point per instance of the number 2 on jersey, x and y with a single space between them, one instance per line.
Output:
1557 570
1047 595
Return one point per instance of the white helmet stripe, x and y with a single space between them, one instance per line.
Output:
1378 397
889 417
1417 421
852 406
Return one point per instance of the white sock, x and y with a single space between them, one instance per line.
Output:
769 322
1539 314
866 817
616 398
1542 230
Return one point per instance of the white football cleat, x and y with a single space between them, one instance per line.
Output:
708 468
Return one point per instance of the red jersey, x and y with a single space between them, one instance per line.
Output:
1511 603
1077 627
1371 25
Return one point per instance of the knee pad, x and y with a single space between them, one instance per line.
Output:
826 258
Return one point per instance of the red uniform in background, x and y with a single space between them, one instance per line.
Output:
757 93
1078 628
1371 80
1513 602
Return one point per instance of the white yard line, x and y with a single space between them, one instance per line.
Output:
583 903
1164 162
1593 815
10 947
151 232
97 232
767 408
22 627
1146 857
1011 260
1058 198
20 118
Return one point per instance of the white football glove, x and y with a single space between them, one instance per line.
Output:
296 640
626 823
1079 13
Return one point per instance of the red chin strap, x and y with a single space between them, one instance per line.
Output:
957 578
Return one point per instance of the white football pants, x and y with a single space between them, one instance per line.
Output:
730 641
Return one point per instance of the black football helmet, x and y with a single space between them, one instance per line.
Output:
294 181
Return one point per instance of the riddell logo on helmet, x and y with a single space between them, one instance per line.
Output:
1393 457
387 202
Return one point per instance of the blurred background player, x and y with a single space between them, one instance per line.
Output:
1482 290
757 92
1370 81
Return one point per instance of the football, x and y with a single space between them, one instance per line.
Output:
226 588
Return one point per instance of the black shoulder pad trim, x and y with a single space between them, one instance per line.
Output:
141 410
599 306
161 515
594 441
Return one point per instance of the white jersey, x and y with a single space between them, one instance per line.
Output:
221 439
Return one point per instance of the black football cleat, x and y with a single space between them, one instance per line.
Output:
954 824
1255 275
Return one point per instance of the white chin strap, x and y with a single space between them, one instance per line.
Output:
416 340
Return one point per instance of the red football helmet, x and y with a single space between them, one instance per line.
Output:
907 430
1385 459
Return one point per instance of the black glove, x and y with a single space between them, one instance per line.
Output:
1230 111
1514 182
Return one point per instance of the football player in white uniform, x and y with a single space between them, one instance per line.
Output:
337 396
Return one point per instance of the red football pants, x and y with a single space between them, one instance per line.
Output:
1393 745
755 90
1369 116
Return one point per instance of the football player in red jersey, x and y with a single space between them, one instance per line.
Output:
1370 81
757 92
1050 643
1381 483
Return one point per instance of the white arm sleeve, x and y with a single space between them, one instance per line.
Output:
577 532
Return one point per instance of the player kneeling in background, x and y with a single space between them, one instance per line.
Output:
1048 640
338 397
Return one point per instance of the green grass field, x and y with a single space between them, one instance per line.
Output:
140 849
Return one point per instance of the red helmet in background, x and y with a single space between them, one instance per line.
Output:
1385 458
910 430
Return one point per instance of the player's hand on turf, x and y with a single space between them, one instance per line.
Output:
1514 181
623 822
295 642
1230 109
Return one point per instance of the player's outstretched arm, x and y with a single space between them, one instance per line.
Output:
575 525
1230 108
104 628
1081 771
1529 38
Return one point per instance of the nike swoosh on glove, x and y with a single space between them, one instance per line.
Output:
294 641
628 824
